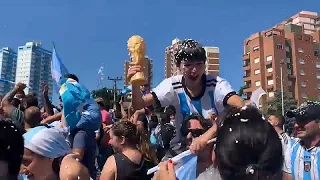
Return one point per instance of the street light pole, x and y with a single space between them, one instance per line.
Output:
115 80
281 81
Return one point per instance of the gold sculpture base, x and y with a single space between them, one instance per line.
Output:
138 79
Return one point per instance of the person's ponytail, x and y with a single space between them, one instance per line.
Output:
145 148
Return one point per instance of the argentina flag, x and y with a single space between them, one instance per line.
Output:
185 168
58 69
126 90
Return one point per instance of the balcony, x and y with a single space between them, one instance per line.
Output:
247 95
269 74
246 77
247 87
291 76
270 88
246 57
246 66
268 63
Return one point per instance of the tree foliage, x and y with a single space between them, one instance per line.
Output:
274 106
240 92
107 95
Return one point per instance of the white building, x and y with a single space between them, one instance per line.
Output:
33 68
310 21
8 63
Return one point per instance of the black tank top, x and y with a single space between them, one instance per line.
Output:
127 170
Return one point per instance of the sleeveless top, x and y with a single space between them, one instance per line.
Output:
128 170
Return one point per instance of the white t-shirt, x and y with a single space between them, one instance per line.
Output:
171 91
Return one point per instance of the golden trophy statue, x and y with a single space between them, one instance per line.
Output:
137 52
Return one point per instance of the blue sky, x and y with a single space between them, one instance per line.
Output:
90 33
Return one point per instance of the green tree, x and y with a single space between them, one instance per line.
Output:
240 92
107 95
274 106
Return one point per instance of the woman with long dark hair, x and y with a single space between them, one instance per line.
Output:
248 147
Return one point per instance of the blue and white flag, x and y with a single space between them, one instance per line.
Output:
185 168
126 90
7 81
11 82
100 73
58 69
79 108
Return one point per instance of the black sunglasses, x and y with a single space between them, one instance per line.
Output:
196 132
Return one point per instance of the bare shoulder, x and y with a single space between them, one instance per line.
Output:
109 171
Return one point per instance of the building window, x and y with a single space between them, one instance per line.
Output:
288 60
257 71
304 95
271 94
302 73
289 72
256 48
318 75
318 65
269 58
289 83
269 70
287 49
279 46
301 61
300 50
303 84
258 83
316 52
256 60
270 82
318 86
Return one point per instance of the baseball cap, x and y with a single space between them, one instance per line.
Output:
307 111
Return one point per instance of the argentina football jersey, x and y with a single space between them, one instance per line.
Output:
212 99
302 163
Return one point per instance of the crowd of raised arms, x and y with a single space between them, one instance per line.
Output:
83 139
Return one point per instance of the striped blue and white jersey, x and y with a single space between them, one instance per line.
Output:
172 91
302 163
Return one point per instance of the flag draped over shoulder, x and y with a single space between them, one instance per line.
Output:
58 69
79 108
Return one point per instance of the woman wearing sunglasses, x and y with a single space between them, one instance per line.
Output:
194 126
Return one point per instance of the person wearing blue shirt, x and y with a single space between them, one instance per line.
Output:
302 159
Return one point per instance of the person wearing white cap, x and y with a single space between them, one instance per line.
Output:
44 149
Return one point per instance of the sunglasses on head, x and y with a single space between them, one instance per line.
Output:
196 132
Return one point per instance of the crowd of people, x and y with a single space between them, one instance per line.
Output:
83 139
